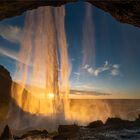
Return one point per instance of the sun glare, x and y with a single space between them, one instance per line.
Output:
51 95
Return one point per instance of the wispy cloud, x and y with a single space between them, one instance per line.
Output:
93 93
116 66
84 86
8 53
86 66
12 54
113 69
11 33
77 73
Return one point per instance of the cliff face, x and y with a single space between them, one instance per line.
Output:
127 11
5 92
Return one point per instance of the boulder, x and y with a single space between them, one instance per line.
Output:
68 128
95 124
67 132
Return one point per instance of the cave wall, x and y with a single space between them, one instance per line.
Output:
126 11
5 92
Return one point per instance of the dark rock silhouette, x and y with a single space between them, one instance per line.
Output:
34 134
95 124
60 137
67 132
6 134
68 128
5 91
114 127
127 11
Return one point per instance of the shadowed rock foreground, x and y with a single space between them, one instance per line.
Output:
113 129
5 92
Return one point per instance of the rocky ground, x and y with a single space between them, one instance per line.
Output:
113 129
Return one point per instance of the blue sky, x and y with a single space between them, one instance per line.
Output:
114 66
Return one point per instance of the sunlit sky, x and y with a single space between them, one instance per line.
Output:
115 71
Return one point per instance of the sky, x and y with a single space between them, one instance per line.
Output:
113 69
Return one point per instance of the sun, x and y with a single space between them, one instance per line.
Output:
51 95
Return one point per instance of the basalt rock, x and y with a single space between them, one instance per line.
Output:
34 134
95 124
126 11
67 132
68 128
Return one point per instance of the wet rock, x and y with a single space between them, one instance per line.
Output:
34 134
6 134
68 128
95 124
117 124
60 137
67 132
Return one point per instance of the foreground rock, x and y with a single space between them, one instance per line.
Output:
95 124
6 134
113 129
5 92
34 134
67 132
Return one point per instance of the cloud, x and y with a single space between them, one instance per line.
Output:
106 63
84 86
116 66
86 66
11 33
90 70
97 71
8 53
77 73
115 72
113 69
12 54
92 93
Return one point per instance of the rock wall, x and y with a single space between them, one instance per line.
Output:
126 11
5 91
